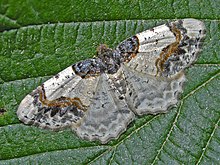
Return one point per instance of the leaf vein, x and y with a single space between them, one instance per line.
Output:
169 133
51 151
208 142
9 19
99 156
201 85
112 157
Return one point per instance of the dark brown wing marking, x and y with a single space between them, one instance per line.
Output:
60 102
169 50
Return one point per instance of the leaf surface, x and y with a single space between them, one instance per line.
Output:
31 51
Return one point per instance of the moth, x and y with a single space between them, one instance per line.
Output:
98 97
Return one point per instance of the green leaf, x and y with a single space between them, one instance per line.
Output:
32 50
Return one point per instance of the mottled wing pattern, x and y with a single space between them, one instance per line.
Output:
168 49
147 94
151 44
56 104
102 115
154 77
98 97
108 114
